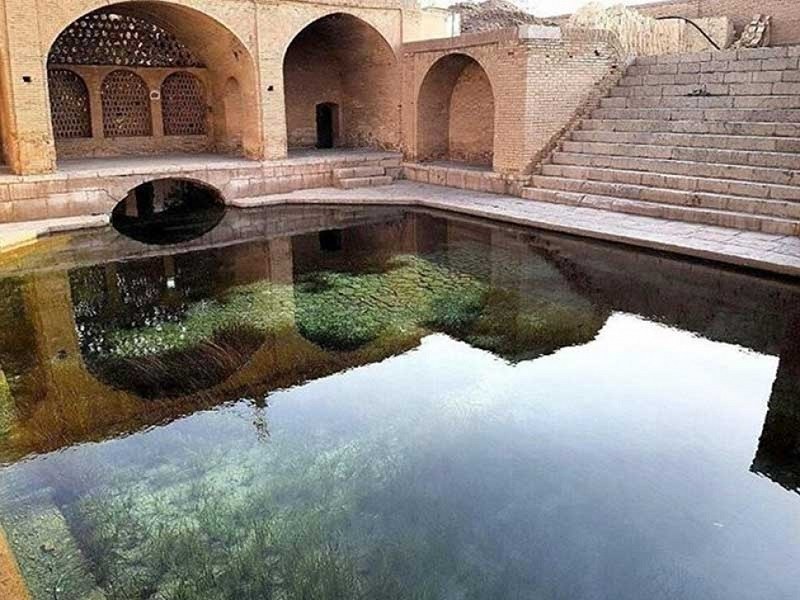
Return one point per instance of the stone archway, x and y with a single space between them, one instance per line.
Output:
185 59
341 60
456 112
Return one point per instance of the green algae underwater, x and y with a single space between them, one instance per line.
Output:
425 409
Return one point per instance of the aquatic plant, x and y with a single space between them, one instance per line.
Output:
182 371
6 406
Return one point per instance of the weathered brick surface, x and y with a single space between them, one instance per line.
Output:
785 14
341 60
537 82
654 148
243 43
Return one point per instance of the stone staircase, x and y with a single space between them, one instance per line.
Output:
710 138
358 177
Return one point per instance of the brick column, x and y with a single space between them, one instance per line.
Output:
270 69
28 134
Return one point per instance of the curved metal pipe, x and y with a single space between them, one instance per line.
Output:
695 25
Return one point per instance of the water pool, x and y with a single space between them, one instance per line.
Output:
348 403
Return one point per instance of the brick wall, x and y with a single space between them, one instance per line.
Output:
455 116
539 79
785 14
562 76
340 59
312 75
471 135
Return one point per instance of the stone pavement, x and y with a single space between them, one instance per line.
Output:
773 253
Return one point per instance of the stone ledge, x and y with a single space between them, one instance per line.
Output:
17 235
764 252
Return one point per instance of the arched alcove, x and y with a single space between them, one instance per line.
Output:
455 112
185 59
340 60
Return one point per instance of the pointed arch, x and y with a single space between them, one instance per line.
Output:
455 112
71 111
126 105
152 38
183 105
343 60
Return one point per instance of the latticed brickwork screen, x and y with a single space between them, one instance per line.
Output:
69 105
183 105
126 105
106 38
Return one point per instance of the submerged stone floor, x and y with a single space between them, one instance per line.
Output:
776 254
772 253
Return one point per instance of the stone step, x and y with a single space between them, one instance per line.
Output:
676 182
705 216
351 183
694 127
774 160
726 142
750 56
700 114
353 172
759 102
731 84
680 167
740 204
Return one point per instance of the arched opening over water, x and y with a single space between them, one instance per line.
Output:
455 112
168 211
341 65
151 77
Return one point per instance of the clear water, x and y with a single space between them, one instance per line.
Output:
352 403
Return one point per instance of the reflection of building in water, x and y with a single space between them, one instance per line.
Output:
778 455
727 306
89 368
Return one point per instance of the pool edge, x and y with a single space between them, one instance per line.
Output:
12 584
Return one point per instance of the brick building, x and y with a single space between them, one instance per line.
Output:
257 80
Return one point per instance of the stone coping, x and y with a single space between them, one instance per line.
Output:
764 252
17 235
770 253
179 163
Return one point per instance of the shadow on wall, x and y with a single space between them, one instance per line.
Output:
455 119
341 61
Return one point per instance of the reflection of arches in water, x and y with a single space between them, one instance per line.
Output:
472 290
179 372
119 299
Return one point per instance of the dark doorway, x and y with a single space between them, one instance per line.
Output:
326 124
330 240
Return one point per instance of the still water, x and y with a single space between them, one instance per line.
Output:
330 403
